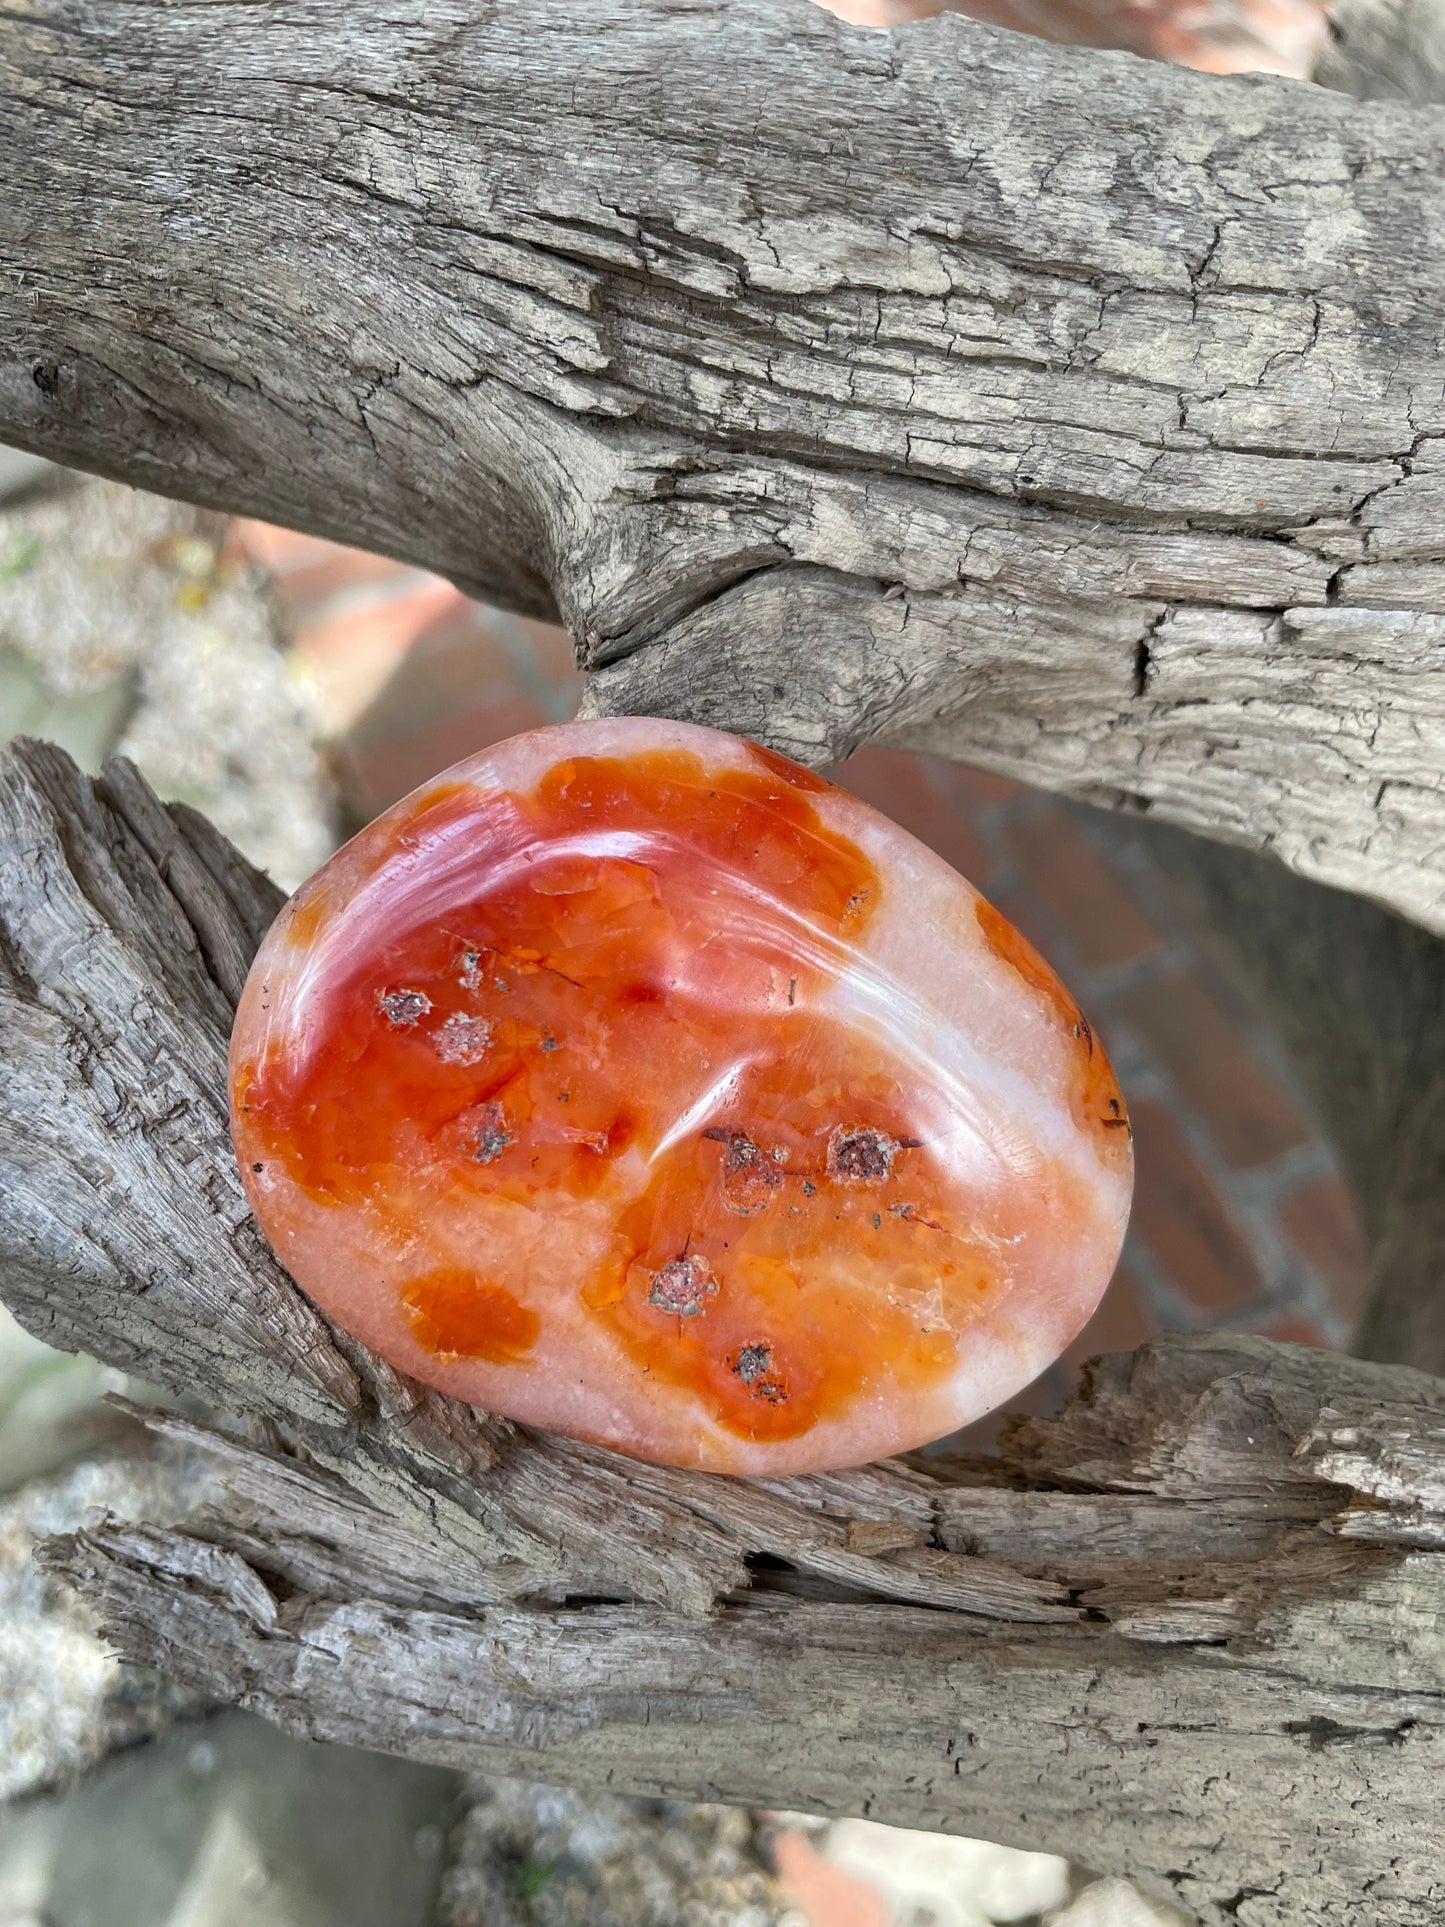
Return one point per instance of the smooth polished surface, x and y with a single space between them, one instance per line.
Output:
641 1085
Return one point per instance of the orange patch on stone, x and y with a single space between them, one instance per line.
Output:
1010 944
782 1227
427 809
305 917
1097 1099
455 1314
797 775
757 822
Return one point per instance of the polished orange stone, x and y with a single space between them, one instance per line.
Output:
639 1084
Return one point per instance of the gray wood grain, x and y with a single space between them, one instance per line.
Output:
1069 413
1385 50
1191 1630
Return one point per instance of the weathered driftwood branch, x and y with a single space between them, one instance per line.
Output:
1191 1630
1073 414
1385 50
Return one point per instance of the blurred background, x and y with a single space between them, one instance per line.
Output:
291 689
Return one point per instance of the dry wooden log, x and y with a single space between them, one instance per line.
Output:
1191 1630
1077 415
1385 50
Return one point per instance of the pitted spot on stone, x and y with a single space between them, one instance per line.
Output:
858 1154
403 1009
753 1364
749 1173
462 1039
684 1287
492 1136
750 1362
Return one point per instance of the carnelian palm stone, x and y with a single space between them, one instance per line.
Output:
637 1083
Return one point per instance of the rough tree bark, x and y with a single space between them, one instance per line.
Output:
1077 415
1385 50
1190 1630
